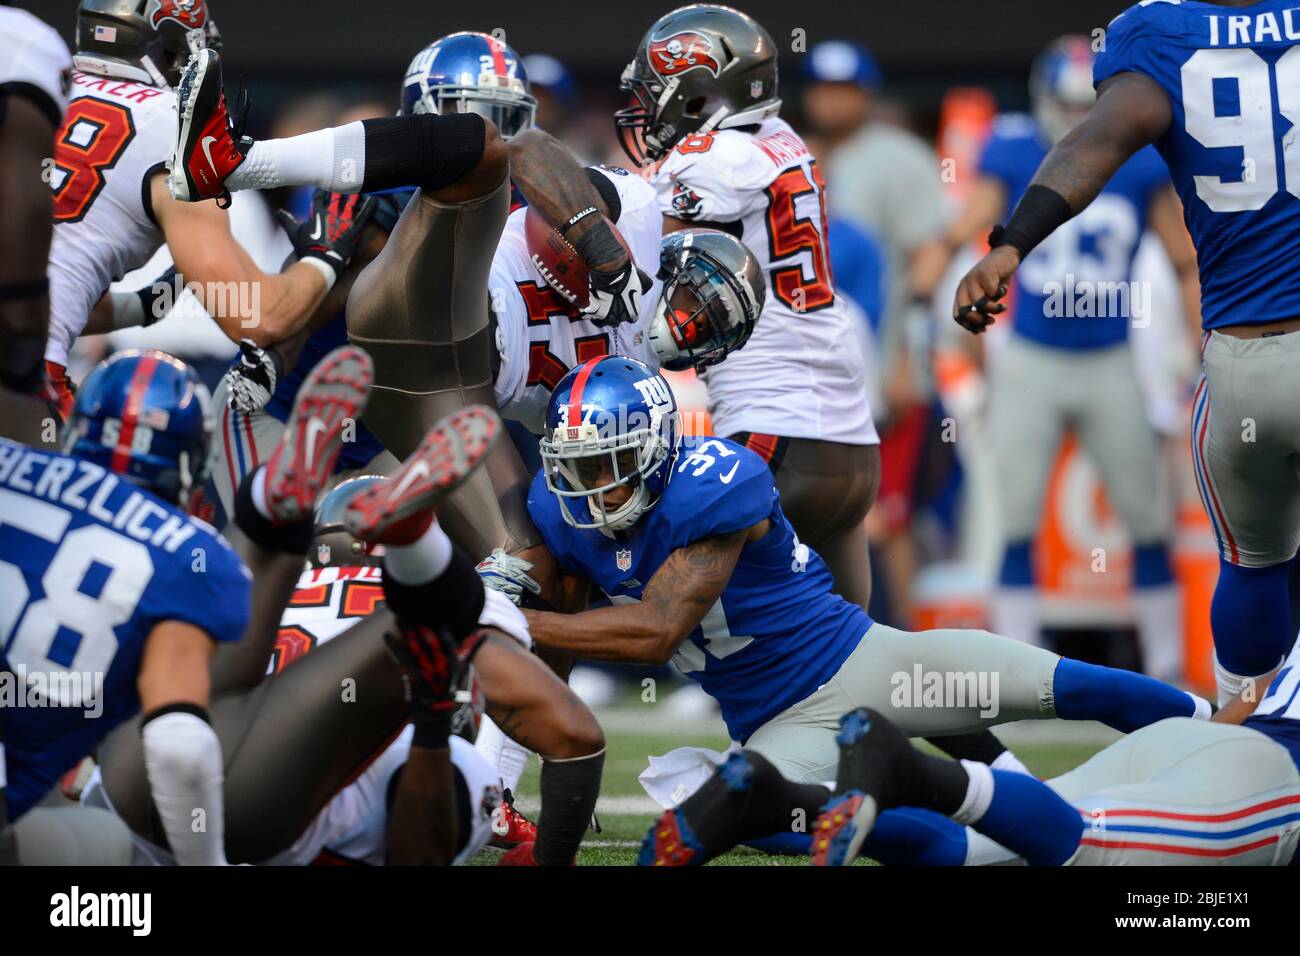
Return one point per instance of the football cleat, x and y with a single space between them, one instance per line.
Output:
333 394
670 842
208 148
510 828
844 822
522 855
396 511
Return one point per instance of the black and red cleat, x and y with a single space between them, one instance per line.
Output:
333 395
207 148
398 510
510 827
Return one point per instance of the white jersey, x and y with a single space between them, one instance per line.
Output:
800 375
34 62
116 136
539 335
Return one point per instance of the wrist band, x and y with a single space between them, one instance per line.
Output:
1037 216
598 246
324 268
574 220
432 730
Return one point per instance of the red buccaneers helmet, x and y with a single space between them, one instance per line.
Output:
699 68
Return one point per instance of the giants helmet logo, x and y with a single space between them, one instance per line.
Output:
681 52
190 14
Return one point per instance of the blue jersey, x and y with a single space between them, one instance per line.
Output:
777 633
1074 291
1278 714
1232 75
89 564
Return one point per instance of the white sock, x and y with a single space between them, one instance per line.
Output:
1231 685
501 752
1159 616
259 494
333 159
1010 762
1015 614
1203 709
979 793
421 561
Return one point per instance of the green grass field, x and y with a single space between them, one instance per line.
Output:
1049 748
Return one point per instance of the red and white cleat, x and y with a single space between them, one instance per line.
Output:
450 452
207 151
522 855
333 394
510 827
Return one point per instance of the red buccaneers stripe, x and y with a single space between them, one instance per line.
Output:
763 445
575 395
131 412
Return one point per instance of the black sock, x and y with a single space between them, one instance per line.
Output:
422 150
980 746
569 792
454 599
886 765
294 538
720 819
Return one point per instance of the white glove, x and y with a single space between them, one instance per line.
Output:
616 296
507 573
250 383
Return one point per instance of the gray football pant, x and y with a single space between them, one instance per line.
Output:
1036 393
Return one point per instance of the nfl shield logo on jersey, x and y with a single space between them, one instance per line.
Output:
323 554
623 558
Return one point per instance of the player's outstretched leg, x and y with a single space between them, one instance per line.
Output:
747 798
276 504
212 158
880 770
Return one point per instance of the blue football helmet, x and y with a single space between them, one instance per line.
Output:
147 417
1060 86
471 73
612 423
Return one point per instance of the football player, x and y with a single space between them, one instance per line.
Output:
687 539
112 210
705 123
115 598
1060 371
1176 793
34 69
1161 80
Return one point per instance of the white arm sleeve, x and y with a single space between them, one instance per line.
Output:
182 757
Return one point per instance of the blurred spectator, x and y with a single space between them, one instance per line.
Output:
555 89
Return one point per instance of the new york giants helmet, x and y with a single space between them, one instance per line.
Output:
146 417
612 424
471 73
1060 86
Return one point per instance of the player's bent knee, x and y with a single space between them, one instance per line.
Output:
575 732
485 177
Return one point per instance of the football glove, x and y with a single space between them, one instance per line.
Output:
429 662
333 228
616 296
508 573
251 381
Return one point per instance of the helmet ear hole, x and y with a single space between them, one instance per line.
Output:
694 106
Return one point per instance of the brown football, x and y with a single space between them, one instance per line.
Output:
557 261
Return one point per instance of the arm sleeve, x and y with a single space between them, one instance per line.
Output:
182 758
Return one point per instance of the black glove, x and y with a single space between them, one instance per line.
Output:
333 228
428 656
250 382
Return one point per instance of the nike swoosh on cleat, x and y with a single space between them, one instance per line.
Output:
314 427
726 479
207 151
418 470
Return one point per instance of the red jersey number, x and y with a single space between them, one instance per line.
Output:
544 366
789 235
92 139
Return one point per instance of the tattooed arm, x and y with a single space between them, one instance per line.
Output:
1131 111
673 603
558 187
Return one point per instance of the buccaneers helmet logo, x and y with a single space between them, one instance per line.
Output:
190 14
681 52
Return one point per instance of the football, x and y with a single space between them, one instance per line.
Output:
557 261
